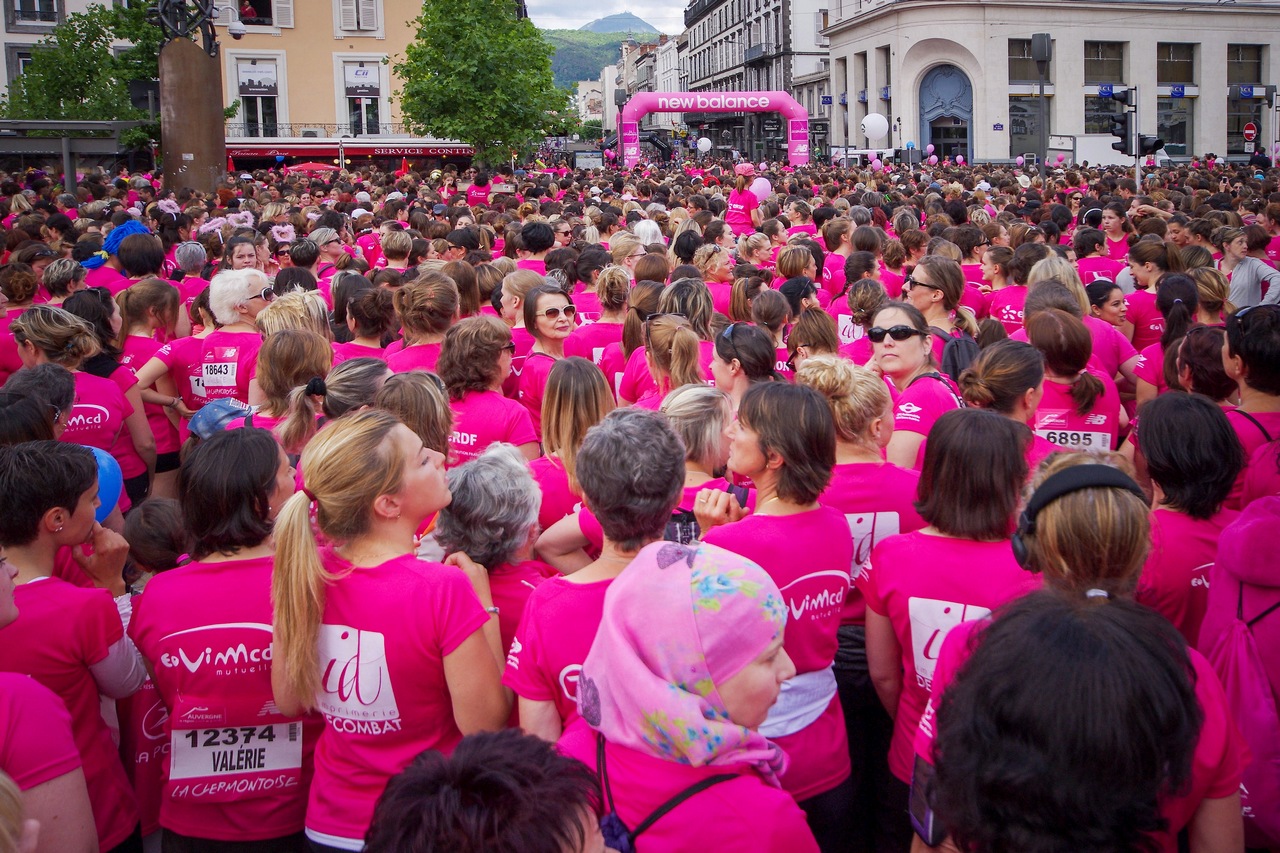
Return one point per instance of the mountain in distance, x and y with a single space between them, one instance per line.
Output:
622 23
580 54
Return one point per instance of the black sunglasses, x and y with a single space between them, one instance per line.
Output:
914 282
898 333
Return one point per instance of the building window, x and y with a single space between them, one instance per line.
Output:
17 57
1103 62
358 15
1173 124
1240 113
257 13
259 90
363 90
1024 125
1098 112
1244 63
34 11
1022 68
1176 63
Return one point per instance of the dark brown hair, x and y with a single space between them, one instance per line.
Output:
974 467
795 422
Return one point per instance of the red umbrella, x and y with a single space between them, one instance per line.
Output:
313 167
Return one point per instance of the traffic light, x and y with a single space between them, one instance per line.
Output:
1120 127
1149 144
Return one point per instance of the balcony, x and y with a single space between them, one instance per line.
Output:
759 52
311 130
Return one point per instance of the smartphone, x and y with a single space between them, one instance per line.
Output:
922 817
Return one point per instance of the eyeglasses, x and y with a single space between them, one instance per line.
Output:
282 250
639 254
898 333
511 348
727 335
554 312
267 295
915 282
57 417
564 233
330 242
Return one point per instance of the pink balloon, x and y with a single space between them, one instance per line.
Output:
959 159
1021 160
877 164
761 188
933 159
1061 157
928 149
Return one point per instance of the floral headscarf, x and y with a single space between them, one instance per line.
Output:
677 622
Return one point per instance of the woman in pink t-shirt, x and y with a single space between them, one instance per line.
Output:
1093 259
149 309
1117 228
744 355
475 360
70 638
959 568
903 353
1149 261
672 353
1089 544
719 662
742 212
1251 356
549 315
633 502
229 355
515 288
1178 302
370 316
427 306
576 400
399 654
642 302
291 368
1079 410
1008 379
591 340
784 441
686 298
232 488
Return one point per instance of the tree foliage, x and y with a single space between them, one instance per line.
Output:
477 73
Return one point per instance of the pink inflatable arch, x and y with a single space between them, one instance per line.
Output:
644 103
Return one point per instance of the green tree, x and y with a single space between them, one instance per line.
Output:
477 73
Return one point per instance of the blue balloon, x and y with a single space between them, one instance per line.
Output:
279 158
110 483
910 144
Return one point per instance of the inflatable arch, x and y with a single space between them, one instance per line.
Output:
644 103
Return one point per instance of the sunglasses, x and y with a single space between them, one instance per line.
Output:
914 282
553 313
330 242
267 295
727 335
898 333
511 348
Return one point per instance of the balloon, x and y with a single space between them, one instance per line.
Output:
279 158
933 159
704 145
928 149
761 188
610 153
959 159
1020 160
764 167
110 482
877 164
1061 157
910 145
875 126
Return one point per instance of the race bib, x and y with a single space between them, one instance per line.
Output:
1073 439
219 374
213 759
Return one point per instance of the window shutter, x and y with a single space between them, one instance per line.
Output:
368 14
284 13
348 18
227 12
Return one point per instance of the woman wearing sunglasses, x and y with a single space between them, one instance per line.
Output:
903 352
549 315
230 354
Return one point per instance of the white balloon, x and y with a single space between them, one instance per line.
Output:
704 145
875 126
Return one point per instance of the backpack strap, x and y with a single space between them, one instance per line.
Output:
1254 421
1249 623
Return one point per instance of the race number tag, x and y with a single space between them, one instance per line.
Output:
235 751
219 374
1076 439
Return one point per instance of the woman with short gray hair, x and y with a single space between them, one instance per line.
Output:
62 278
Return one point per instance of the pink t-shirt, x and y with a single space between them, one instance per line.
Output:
97 416
385 634
588 306
1216 764
1148 322
137 351
534 264
228 362
254 787
613 364
1094 268
746 813
63 630
1057 420
144 745
803 228
859 351
1110 348
878 501
10 361
1006 306
833 277
1251 438
737 214
36 740
523 341
721 296
482 417
1175 579
182 358
347 351
556 632
533 384
478 195
1262 477
417 357
808 555
557 501
510 585
591 340
921 403
1150 367
926 585
1118 250
105 276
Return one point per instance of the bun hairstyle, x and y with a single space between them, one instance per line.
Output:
18 282
1001 375
61 336
770 310
427 305
373 312
857 396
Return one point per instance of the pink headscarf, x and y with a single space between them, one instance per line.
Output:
677 622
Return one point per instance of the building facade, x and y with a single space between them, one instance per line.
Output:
959 74
27 22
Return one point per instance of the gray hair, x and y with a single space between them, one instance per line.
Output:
859 215
67 199
648 231
494 507
61 274
322 235
227 291
631 471
190 256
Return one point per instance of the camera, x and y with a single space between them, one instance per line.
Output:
236 29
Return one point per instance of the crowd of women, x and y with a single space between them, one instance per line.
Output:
648 511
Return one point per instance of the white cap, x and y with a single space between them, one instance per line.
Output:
358 212
395 196
984 186
363 198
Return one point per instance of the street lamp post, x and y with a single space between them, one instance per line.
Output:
193 135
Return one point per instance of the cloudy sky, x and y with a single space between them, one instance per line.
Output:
666 15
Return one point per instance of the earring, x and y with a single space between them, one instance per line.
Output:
58 529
